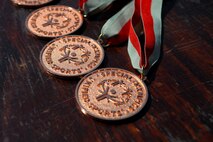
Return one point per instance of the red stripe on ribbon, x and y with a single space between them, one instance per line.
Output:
148 29
124 32
132 34
122 35
143 13
135 42
81 3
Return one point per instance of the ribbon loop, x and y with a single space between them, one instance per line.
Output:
103 41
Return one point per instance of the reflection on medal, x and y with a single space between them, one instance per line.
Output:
71 56
111 94
54 21
31 2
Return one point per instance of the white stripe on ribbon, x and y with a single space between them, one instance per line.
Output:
114 25
136 58
95 6
156 15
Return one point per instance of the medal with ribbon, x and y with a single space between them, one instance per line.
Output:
112 93
108 93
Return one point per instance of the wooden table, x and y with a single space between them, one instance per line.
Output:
36 107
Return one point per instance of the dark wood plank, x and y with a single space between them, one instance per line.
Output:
37 107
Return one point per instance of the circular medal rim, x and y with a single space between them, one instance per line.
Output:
28 5
62 75
43 36
118 118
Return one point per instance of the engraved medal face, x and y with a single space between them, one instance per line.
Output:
111 94
54 21
31 2
71 56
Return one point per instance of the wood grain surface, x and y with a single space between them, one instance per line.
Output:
37 107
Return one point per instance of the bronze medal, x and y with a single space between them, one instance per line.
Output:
70 56
111 94
31 2
54 21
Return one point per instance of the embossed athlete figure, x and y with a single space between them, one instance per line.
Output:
55 20
67 55
109 92
72 52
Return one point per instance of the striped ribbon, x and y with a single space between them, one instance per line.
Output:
116 29
144 58
94 6
81 3
124 26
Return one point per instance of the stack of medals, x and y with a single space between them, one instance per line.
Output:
108 93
